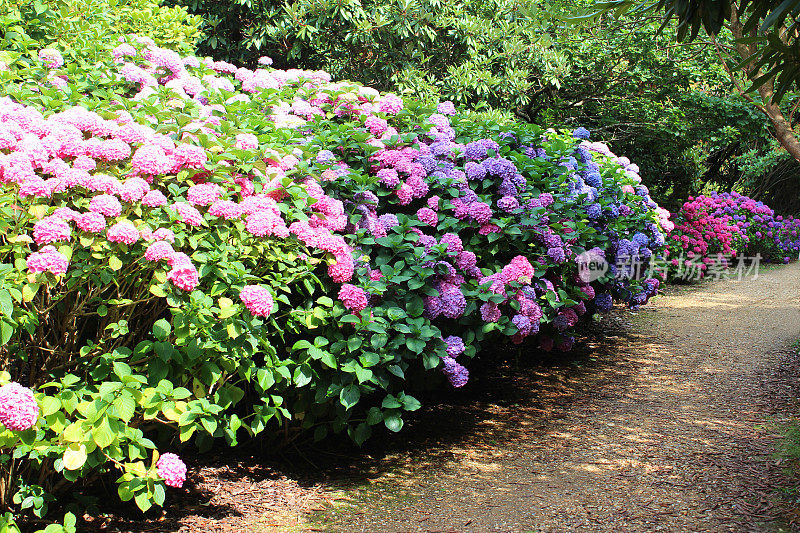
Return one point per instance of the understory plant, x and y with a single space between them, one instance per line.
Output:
194 252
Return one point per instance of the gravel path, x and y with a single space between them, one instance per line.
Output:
672 434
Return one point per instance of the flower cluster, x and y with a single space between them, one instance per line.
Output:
713 229
18 408
171 469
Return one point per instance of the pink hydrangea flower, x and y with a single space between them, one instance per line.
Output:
390 104
123 232
154 198
204 194
226 209
354 298
163 234
105 204
158 250
171 469
342 271
246 141
188 214
191 156
151 159
257 299
18 408
266 223
51 58
183 275
91 222
48 259
134 189
51 229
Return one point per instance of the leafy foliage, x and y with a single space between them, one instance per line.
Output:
133 330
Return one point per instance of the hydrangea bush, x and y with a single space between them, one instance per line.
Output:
193 251
714 229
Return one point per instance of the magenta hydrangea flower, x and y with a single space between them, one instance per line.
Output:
18 408
105 204
354 298
257 299
490 312
51 229
453 242
171 469
480 212
48 259
427 216
123 232
389 177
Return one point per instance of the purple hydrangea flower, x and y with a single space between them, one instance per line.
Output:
457 374
454 345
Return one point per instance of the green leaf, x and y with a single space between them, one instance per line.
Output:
415 345
6 332
115 263
390 402
410 403
6 303
354 343
349 396
379 340
374 416
74 456
415 306
49 405
393 421
361 433
143 501
161 329
102 434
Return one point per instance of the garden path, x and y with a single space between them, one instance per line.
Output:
672 431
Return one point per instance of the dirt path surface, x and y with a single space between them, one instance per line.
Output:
671 433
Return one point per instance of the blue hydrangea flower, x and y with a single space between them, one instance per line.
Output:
325 157
581 133
604 302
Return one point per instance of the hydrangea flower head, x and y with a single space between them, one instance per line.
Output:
18 408
171 469
354 298
257 299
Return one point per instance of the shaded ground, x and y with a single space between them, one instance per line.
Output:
662 422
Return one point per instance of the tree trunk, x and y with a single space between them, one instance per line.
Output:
783 130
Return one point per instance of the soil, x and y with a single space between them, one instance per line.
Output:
666 419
